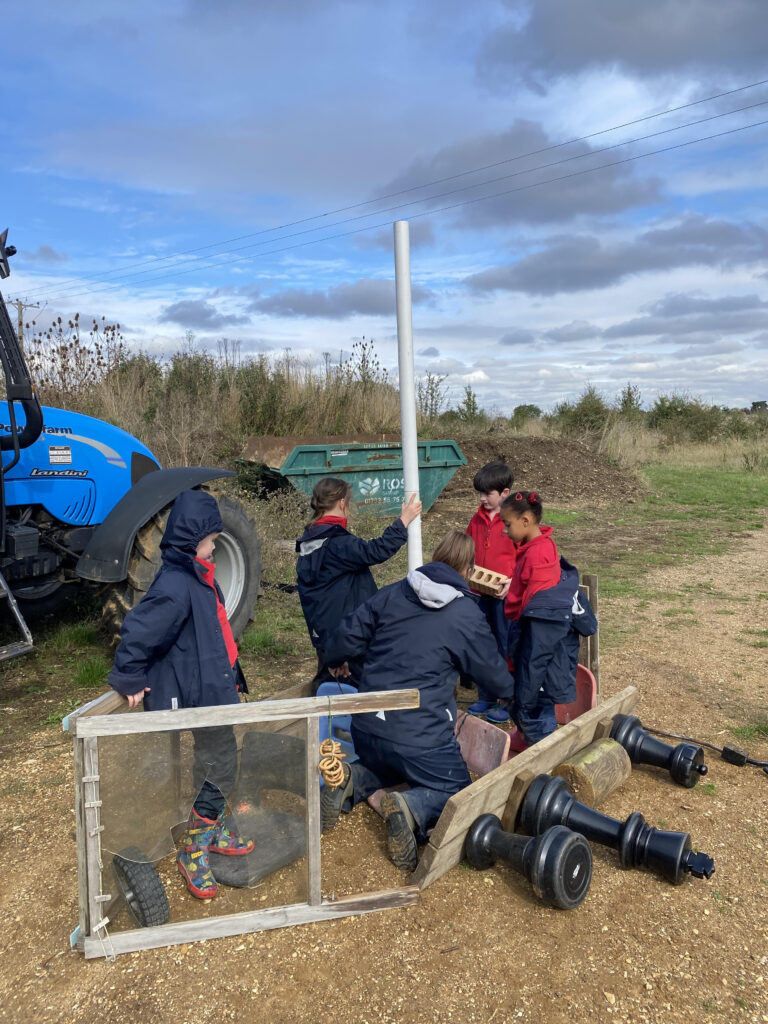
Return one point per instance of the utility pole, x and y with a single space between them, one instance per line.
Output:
21 305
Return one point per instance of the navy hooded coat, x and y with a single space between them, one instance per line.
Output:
172 641
544 641
334 574
421 633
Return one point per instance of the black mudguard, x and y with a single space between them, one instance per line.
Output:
105 560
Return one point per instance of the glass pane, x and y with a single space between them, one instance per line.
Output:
166 796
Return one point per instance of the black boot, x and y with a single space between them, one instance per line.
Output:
401 831
332 800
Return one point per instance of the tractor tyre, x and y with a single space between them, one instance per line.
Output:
238 568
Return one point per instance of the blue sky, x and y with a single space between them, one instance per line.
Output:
155 152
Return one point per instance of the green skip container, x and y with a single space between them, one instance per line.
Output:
373 468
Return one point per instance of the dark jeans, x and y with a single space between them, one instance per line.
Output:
433 774
214 769
493 610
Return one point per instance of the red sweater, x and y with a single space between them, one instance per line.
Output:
221 612
537 568
493 549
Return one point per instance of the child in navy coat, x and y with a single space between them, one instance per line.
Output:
177 651
548 616
333 566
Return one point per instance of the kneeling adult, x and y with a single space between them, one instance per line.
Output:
420 632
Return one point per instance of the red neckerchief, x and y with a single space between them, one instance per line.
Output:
221 612
331 521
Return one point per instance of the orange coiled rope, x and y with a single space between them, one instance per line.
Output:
329 765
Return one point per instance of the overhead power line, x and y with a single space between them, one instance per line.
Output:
435 210
121 272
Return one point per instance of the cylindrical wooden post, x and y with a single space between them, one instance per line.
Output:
592 644
596 771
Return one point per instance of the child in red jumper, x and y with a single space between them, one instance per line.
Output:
494 551
538 568
538 562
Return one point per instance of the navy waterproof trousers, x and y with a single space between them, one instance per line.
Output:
434 775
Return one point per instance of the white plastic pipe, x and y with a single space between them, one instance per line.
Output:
407 386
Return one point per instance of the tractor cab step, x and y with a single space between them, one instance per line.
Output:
15 649
19 647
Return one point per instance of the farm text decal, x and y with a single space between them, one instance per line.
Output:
59 472
46 430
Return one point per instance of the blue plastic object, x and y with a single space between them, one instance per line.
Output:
375 471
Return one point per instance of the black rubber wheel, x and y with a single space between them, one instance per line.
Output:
141 887
238 568
46 597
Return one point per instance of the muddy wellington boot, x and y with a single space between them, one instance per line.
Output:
224 840
192 858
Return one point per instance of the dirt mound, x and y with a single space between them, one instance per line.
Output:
565 472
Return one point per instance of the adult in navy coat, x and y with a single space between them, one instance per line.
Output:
421 632
333 566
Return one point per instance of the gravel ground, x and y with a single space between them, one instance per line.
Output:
477 946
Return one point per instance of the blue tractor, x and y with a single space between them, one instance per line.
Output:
82 503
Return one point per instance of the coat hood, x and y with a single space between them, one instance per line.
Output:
194 515
436 584
316 535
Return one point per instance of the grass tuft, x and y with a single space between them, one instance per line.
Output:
91 673
261 641
751 731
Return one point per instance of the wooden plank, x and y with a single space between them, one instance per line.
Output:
520 785
247 714
82 861
252 921
314 867
91 818
604 727
484 746
489 794
584 644
112 701
103 705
